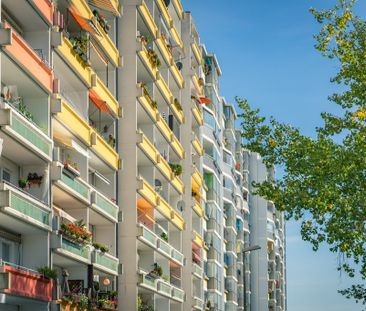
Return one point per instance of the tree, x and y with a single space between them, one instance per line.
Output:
324 179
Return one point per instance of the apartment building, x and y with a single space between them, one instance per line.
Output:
123 183
268 265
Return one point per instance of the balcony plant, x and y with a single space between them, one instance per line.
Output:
143 306
48 272
23 183
157 272
106 304
81 301
34 179
102 21
153 58
76 232
22 108
101 247
164 236
80 46
176 168
71 168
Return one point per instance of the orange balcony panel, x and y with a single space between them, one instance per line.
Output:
23 54
45 7
23 283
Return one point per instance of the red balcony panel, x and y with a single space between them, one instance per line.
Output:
28 59
45 7
26 284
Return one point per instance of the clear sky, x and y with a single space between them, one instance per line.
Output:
265 50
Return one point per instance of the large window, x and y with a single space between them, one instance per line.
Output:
213 186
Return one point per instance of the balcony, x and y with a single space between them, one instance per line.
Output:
197 145
104 206
197 238
66 51
147 282
146 102
150 238
25 132
19 50
108 5
102 93
22 206
164 50
177 75
105 262
197 207
197 113
46 9
178 7
178 294
177 146
198 303
104 150
197 84
176 37
164 288
197 270
197 178
197 53
148 19
71 250
20 281
151 68
148 192
74 187
164 12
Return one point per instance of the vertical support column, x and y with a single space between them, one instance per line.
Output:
187 165
127 182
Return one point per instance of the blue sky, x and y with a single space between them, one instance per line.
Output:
265 49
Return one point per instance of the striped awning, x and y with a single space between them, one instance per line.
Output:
107 5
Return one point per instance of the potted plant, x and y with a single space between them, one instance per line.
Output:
80 47
106 304
153 58
143 306
71 168
157 272
102 21
76 232
23 183
101 247
164 236
34 179
48 272
176 168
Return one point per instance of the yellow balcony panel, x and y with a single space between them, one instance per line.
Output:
178 7
105 151
196 83
178 184
164 89
164 128
197 177
100 90
197 207
165 169
145 59
165 209
147 147
146 102
147 17
178 221
197 113
148 192
81 8
108 5
177 75
167 55
178 148
197 53
176 36
67 52
164 11
197 146
198 239
106 44
72 120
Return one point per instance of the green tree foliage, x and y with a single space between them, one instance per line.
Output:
324 179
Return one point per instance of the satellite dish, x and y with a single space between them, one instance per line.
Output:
167 2
179 65
181 205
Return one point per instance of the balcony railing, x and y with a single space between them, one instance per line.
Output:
19 281
70 249
23 206
76 185
105 262
104 205
26 132
197 270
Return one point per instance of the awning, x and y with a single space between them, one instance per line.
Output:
83 21
97 101
68 142
105 5
204 100
63 214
